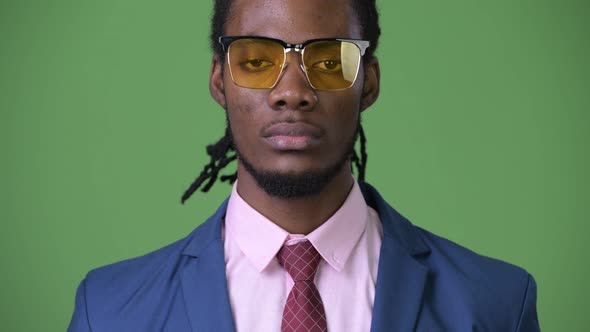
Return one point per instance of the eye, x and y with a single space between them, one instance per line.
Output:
256 64
328 65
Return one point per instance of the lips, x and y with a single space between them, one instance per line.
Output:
292 136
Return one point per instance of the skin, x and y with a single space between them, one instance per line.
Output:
335 113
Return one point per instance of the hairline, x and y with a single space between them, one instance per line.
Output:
218 52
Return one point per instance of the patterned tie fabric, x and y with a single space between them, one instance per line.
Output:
304 310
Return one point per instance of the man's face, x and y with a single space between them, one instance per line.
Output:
291 129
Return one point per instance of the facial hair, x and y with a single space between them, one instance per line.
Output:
297 185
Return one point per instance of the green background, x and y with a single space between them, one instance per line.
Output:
480 135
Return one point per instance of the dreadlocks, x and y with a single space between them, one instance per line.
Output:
219 160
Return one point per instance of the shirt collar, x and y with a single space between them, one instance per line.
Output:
260 239
257 237
336 237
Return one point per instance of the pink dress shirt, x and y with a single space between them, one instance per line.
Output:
349 243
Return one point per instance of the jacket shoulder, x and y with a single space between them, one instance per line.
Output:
463 288
118 296
115 290
136 269
444 258
125 278
496 294
453 257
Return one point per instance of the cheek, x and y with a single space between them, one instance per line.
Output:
240 103
345 112
243 115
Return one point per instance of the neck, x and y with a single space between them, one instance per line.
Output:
297 215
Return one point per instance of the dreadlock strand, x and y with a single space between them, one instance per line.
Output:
229 178
219 159
363 163
221 163
354 159
205 174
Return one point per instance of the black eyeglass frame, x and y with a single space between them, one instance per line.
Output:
361 44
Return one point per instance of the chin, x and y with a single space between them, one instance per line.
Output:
290 182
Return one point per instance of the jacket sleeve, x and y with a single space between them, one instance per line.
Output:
528 316
79 322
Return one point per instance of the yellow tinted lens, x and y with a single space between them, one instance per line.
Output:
255 63
331 65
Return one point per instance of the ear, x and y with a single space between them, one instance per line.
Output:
216 85
372 81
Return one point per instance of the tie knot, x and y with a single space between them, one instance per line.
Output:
300 260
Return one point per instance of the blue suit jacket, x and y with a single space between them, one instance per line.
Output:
424 283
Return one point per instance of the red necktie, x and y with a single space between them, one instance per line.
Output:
304 310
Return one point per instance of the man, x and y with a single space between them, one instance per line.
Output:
300 245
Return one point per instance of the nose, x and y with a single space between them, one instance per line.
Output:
292 91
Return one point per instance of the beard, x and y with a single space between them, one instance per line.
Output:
292 185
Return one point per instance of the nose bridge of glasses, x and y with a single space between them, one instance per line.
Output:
288 54
296 49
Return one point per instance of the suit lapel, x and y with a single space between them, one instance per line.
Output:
401 277
204 286
398 293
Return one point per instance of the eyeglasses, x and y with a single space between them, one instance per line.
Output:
328 64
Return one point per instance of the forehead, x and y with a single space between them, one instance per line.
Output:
293 21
